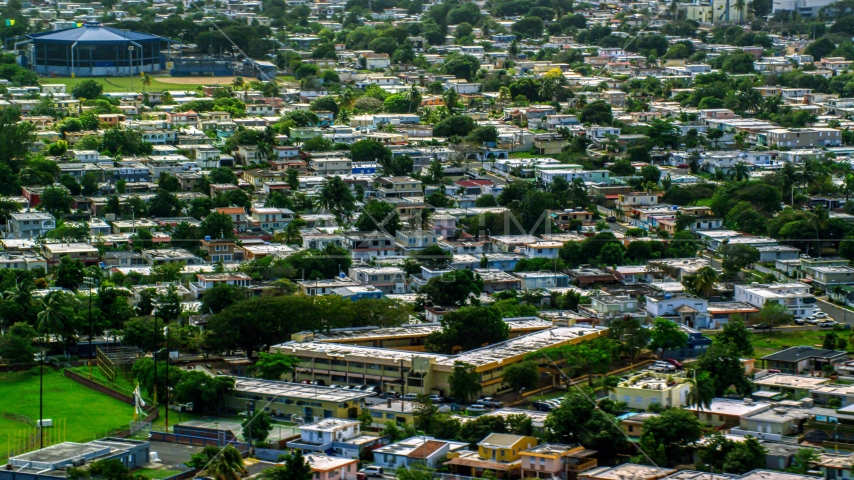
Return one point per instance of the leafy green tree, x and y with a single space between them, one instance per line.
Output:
737 257
597 113
69 273
259 425
631 336
221 296
217 225
803 460
377 215
88 89
272 366
453 288
464 382
774 314
522 375
56 201
737 334
227 465
416 471
145 333
16 347
369 151
293 467
675 429
468 328
721 454
458 125
723 363
666 335
589 357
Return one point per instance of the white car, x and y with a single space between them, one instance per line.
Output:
820 315
478 408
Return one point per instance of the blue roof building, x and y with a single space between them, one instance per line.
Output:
94 50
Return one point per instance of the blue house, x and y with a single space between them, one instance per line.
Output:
359 292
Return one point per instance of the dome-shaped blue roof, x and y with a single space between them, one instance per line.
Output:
92 33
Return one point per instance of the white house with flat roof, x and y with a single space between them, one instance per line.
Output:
795 296
420 449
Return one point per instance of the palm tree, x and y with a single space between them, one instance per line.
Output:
146 81
451 98
790 176
704 281
740 171
818 220
292 233
227 465
702 390
809 173
739 7
53 318
238 82
348 96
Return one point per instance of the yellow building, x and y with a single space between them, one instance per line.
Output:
641 391
310 402
423 372
499 453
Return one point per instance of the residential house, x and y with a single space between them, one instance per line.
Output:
499 453
206 281
421 449
642 390
555 460
795 296
270 218
803 359
29 224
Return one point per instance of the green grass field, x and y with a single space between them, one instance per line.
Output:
79 413
155 474
778 339
126 84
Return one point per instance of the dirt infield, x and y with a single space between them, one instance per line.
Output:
197 80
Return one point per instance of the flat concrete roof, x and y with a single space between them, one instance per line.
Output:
296 390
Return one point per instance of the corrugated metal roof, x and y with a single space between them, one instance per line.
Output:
93 33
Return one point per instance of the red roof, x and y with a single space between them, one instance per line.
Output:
474 183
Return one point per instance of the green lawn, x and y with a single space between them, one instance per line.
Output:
79 413
120 84
767 343
156 474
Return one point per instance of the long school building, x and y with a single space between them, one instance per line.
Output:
404 371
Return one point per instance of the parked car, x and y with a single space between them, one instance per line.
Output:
389 395
490 402
673 362
761 326
334 386
542 406
820 315
811 320
826 324
611 219
478 408
800 321
436 398
410 396
372 471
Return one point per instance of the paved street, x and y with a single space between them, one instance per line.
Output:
839 314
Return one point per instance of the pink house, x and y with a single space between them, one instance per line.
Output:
332 468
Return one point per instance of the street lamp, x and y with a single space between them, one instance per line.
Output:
92 280
130 64
166 331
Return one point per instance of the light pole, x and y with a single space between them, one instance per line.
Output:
41 400
93 280
166 331
130 65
